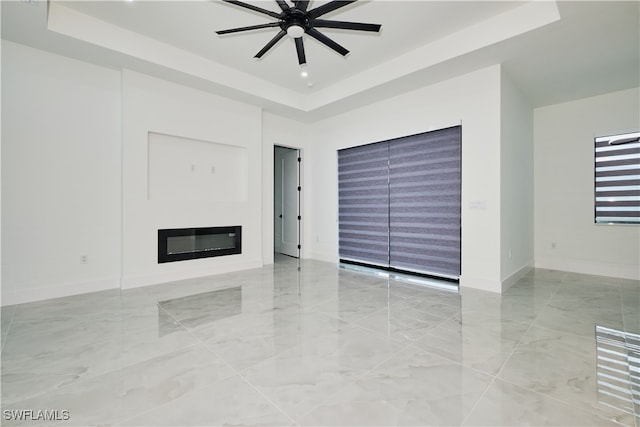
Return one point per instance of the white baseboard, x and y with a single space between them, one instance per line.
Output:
39 293
589 267
326 257
517 275
480 283
26 294
268 259
130 282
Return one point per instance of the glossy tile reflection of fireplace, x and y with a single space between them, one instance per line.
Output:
179 244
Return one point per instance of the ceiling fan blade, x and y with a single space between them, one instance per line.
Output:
359 26
301 5
251 27
283 4
302 59
327 41
272 43
328 7
254 8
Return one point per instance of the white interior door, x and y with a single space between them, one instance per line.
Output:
286 203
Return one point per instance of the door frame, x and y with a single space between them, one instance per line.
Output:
300 200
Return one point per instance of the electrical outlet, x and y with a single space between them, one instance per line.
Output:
84 259
510 253
553 245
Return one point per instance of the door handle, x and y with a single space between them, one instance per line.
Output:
280 216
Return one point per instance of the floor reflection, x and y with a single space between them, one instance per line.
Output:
201 308
618 369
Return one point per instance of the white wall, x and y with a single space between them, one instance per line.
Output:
75 161
60 175
474 100
564 176
0 168
65 176
184 169
516 184
153 105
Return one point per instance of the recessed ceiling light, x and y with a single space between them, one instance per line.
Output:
304 73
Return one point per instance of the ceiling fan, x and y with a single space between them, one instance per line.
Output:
296 20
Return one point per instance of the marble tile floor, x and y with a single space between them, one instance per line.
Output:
308 344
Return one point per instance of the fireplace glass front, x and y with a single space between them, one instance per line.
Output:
179 244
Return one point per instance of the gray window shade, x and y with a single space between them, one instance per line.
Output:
399 203
424 183
617 179
363 198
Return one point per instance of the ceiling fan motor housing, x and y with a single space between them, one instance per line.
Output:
294 17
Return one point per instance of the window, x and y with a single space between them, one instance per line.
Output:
617 179
400 204
363 199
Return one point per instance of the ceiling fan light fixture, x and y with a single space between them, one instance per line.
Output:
295 31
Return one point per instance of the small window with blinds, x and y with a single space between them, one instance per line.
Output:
617 179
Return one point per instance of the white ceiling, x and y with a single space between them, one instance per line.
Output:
555 51
191 25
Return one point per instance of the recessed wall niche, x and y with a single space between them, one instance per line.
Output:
186 169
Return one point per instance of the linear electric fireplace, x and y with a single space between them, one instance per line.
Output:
179 244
